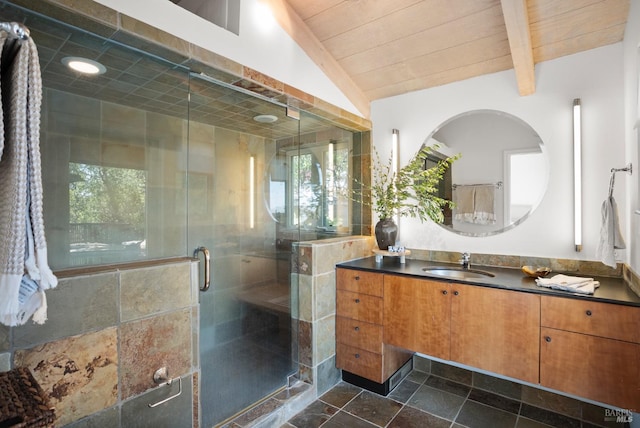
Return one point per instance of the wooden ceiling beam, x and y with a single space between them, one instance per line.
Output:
291 22
516 19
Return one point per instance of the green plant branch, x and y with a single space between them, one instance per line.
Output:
410 192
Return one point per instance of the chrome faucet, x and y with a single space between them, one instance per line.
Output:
465 260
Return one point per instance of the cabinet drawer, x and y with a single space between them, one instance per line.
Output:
360 362
359 306
359 281
594 318
359 334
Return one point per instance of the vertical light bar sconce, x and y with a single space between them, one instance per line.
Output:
395 163
395 155
330 181
577 173
252 191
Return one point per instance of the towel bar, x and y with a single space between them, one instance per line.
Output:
160 376
169 382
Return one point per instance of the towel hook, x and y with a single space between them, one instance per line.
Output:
628 168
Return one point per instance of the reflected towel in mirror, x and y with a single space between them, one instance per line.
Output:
475 203
463 200
484 211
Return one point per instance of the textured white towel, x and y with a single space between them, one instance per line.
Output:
484 210
610 236
475 203
23 248
463 200
574 284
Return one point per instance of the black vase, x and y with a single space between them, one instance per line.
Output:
386 233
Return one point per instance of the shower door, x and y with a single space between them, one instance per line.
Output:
237 186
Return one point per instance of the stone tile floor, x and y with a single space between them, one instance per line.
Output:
427 400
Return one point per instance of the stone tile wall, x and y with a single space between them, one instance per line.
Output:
106 335
314 275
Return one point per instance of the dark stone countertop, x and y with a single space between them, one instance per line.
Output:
611 290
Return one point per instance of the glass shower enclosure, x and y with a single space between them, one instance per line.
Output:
150 161
258 182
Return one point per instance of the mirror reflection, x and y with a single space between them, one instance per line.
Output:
500 177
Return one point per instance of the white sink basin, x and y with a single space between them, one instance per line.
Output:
458 273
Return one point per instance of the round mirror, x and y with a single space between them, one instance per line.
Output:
501 175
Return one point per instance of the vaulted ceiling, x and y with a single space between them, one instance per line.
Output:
373 49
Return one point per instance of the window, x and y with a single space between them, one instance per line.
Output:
320 187
106 213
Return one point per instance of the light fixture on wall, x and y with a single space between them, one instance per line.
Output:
252 191
331 180
577 173
395 163
395 155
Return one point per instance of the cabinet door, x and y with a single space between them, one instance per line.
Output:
604 370
416 315
496 330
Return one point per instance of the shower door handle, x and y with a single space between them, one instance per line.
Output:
207 266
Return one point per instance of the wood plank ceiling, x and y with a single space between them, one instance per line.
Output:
374 49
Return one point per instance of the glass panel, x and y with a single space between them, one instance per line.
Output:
106 213
237 190
113 147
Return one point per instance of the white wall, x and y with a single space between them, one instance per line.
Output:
268 50
596 77
631 73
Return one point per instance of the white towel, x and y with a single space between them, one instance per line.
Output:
574 284
610 236
484 211
463 199
23 249
475 204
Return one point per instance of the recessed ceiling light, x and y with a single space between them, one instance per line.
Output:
84 65
265 118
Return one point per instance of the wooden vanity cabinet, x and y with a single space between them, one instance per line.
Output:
587 348
496 330
491 329
591 349
417 314
359 333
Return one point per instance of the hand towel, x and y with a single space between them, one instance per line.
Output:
610 236
23 249
484 211
463 198
574 284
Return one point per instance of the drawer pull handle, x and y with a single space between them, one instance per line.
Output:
444 292
357 278
455 293
357 355
356 328
357 300
547 339
588 313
